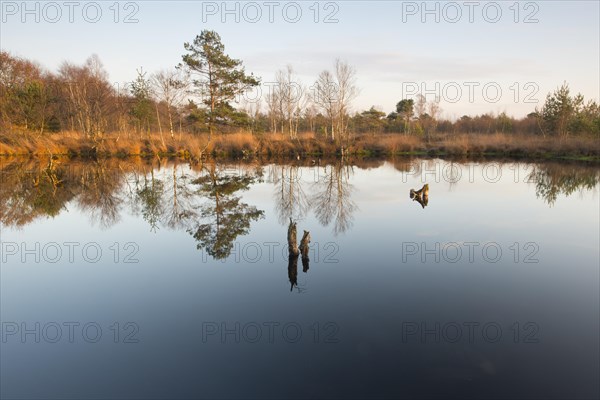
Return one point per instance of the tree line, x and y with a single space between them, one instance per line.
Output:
201 95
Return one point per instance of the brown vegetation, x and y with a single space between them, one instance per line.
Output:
246 144
77 112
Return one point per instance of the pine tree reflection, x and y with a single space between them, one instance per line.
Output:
228 216
150 196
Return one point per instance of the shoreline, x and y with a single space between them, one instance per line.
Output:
276 146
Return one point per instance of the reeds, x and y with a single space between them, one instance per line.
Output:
247 144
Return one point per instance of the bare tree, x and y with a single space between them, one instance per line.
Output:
291 201
288 100
325 97
171 87
434 112
273 108
285 100
333 95
420 105
122 101
88 93
346 82
310 114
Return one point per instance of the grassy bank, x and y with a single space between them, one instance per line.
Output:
245 144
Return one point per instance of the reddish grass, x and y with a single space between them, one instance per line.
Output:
279 145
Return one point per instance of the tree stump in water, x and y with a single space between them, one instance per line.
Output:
424 191
304 250
293 271
421 196
294 252
291 237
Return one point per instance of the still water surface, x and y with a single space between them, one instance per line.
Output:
124 278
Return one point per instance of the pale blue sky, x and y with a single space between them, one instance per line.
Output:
391 48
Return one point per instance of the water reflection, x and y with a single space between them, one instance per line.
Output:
150 194
41 189
98 193
421 196
332 197
224 215
554 179
363 281
294 251
304 250
291 201
206 200
179 200
293 272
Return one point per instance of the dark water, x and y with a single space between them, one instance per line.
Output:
131 279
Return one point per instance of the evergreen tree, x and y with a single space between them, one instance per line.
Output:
217 77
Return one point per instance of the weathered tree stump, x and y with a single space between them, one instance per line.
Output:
304 250
294 252
293 271
421 196
424 191
291 237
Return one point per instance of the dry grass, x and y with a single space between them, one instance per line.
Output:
517 145
279 145
387 144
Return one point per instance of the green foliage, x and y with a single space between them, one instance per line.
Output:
564 114
405 109
81 98
219 78
418 129
225 116
587 120
371 121
150 197
196 117
30 101
392 116
141 111
550 182
504 123
227 217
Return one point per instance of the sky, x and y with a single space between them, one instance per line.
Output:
475 56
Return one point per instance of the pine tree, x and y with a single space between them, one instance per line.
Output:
218 77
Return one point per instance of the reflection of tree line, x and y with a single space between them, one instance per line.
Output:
552 180
204 200
32 190
330 199
331 195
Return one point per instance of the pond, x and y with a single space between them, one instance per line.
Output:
160 279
